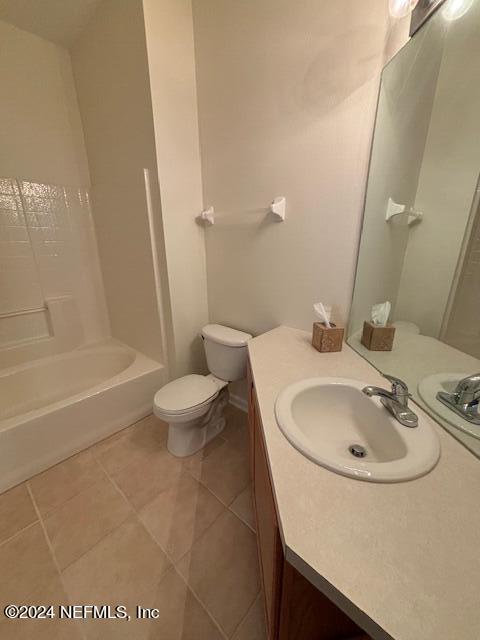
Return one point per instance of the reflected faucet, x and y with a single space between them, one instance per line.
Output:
395 401
465 399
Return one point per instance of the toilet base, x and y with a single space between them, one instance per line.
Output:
186 438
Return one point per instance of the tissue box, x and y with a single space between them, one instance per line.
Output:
326 339
378 338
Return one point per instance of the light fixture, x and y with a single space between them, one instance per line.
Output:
455 9
401 8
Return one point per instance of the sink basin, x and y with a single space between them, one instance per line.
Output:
331 422
428 389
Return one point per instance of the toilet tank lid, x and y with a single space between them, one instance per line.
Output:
226 335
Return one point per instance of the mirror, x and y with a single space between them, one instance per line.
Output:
420 243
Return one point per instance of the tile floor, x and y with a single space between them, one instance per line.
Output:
126 523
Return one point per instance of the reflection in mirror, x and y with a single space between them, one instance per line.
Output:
420 245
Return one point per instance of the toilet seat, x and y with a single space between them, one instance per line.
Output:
185 394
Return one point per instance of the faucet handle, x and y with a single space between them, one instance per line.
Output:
468 389
399 387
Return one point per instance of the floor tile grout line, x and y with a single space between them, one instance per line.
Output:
173 566
136 510
120 491
227 505
185 469
50 548
200 481
202 604
95 446
116 487
241 519
136 513
52 552
139 515
246 614
41 518
22 530
45 533
178 560
120 434
88 486
173 563
106 535
39 522
102 539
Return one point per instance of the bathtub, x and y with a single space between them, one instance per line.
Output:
56 406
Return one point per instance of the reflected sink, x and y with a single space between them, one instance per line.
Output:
428 389
331 422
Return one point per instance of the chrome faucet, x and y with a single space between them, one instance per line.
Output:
465 399
395 401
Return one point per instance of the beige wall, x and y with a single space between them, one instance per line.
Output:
448 180
110 69
287 93
403 117
169 36
41 136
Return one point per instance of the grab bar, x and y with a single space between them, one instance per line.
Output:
23 312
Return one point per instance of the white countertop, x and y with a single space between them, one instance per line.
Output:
401 559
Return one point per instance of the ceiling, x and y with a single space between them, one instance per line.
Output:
60 21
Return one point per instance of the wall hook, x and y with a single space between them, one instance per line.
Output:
395 209
278 208
207 216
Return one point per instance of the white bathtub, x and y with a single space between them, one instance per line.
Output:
56 406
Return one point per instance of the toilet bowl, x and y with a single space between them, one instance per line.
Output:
193 405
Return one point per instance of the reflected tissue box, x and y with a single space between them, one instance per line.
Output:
327 339
377 338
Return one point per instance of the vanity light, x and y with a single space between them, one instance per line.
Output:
401 8
455 9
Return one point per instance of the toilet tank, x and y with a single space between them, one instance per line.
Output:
226 351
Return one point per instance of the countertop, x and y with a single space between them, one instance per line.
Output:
415 357
402 560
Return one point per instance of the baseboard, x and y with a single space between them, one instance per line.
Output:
239 402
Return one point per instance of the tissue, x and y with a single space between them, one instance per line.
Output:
380 313
323 313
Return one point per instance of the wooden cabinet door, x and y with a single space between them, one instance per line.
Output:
306 614
251 418
268 535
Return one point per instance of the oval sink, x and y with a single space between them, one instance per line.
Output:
428 389
333 423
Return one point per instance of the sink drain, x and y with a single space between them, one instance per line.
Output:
357 450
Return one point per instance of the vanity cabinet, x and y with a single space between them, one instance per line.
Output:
268 534
294 608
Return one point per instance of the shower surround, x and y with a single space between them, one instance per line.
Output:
51 292
64 382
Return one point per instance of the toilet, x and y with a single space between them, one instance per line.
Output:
193 405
